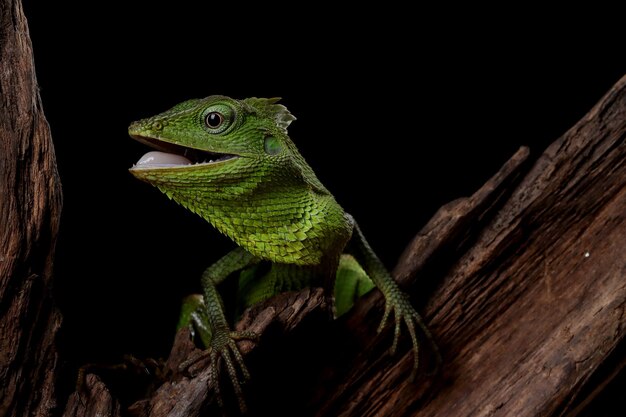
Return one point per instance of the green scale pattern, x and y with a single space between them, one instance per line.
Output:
297 229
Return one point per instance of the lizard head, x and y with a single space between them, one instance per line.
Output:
208 134
219 139
232 162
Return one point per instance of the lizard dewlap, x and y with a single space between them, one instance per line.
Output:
233 163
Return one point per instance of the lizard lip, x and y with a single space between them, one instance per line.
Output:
171 155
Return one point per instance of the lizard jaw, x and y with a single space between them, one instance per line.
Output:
170 155
157 159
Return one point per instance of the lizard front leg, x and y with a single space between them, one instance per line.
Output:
396 300
221 346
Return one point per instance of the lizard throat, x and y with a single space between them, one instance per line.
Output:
170 155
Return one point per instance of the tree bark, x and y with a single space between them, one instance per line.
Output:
30 206
531 273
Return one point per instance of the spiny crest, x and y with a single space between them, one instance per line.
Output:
269 107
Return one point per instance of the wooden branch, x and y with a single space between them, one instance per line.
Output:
182 395
532 294
94 401
534 308
447 235
30 205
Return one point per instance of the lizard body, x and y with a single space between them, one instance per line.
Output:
233 163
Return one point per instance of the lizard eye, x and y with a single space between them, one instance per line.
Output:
218 118
214 120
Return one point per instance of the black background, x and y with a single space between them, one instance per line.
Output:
398 113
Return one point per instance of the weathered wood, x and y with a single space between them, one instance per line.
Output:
30 205
185 396
94 400
531 302
429 256
535 306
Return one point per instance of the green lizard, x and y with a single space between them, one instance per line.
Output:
232 162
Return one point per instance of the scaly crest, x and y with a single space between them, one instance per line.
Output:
269 107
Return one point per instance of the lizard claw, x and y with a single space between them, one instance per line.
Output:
223 347
403 311
224 350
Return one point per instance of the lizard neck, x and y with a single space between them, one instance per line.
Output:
276 220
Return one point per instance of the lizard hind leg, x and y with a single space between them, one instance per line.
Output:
351 283
194 317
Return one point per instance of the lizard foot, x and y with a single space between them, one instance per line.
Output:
399 304
224 351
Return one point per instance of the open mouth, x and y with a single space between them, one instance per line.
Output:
169 155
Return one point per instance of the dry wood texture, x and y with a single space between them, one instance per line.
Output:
531 275
30 205
536 305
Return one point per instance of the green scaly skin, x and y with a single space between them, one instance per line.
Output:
262 194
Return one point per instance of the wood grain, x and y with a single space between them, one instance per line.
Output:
30 206
532 287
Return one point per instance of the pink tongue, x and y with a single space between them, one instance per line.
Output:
161 159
